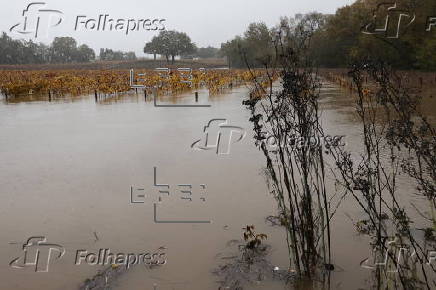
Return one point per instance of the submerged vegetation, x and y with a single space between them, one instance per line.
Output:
77 82
396 139
296 174
281 69
392 126
249 265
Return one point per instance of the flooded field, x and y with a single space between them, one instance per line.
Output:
122 174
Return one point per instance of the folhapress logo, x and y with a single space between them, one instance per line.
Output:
218 136
106 23
37 253
36 18
392 23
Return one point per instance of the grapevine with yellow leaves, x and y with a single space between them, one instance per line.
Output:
80 82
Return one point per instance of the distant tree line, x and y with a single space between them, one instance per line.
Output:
109 54
208 52
255 47
61 50
170 44
339 38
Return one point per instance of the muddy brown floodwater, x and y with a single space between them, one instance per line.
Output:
67 169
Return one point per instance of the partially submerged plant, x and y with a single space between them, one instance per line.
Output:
392 127
250 265
253 239
296 174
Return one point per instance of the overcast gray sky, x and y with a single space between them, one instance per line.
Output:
206 22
